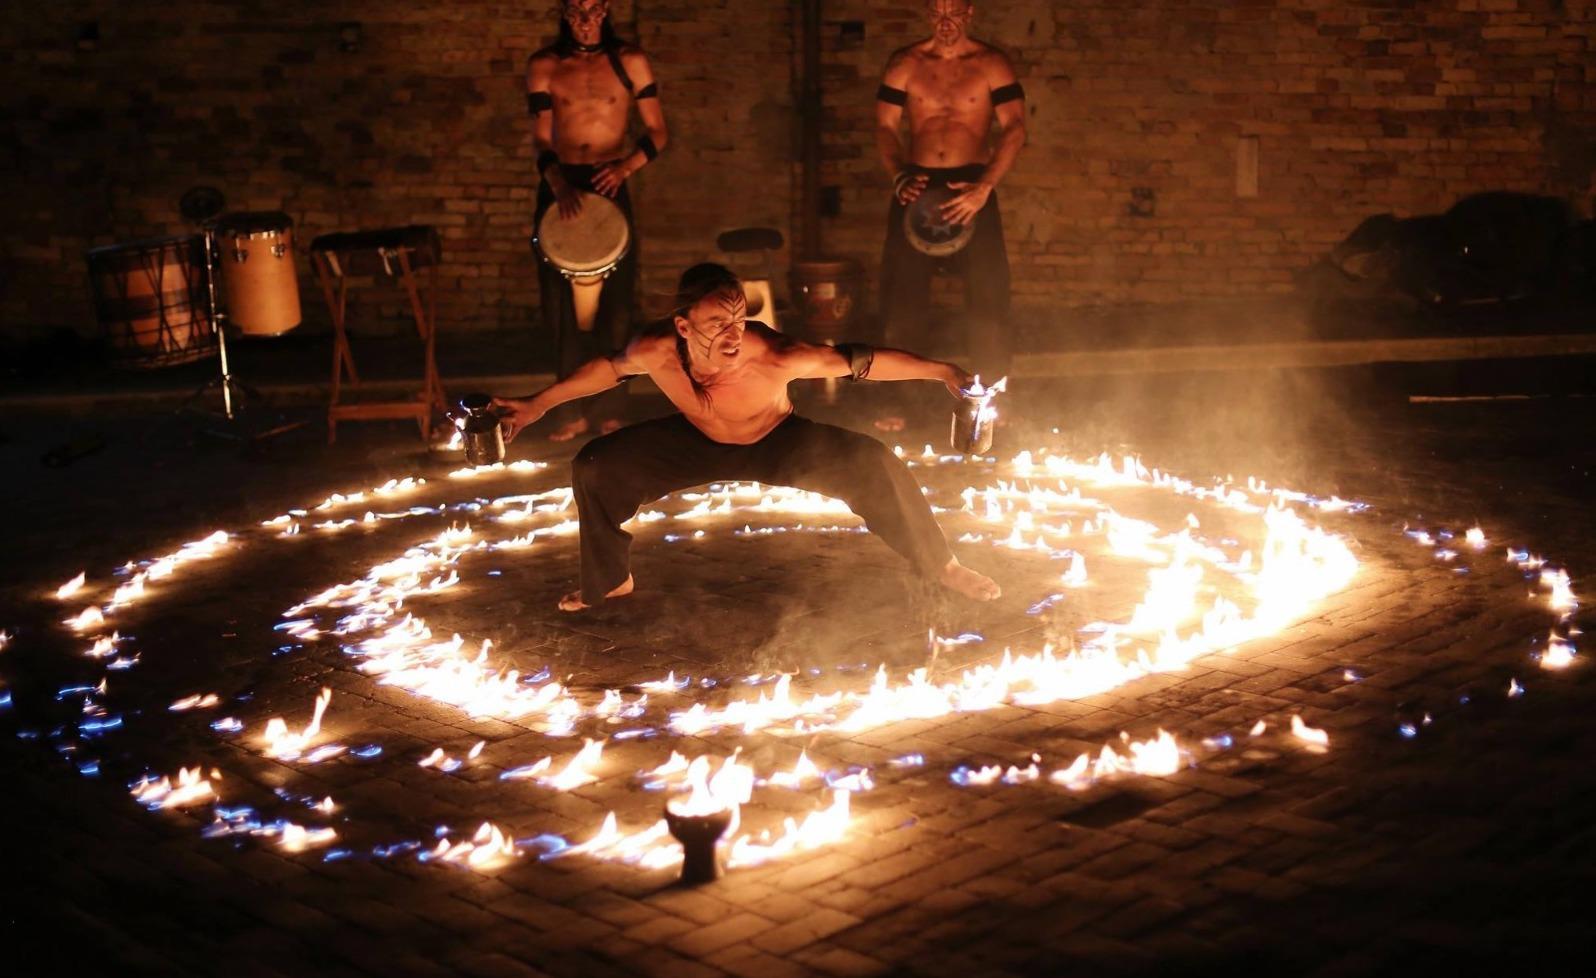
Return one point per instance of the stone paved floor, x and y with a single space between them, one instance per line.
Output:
1465 848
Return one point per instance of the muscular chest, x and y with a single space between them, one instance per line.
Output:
587 82
947 87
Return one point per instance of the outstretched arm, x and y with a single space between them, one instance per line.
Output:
594 377
802 360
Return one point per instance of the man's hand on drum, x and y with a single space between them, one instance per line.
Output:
963 208
609 177
566 197
909 187
516 413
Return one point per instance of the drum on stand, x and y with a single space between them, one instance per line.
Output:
256 255
928 231
586 249
150 299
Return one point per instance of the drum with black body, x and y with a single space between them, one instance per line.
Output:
928 231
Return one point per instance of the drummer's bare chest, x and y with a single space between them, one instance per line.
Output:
750 393
947 86
586 83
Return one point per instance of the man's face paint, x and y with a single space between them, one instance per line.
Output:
586 18
714 327
949 20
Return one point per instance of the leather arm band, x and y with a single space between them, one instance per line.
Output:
860 357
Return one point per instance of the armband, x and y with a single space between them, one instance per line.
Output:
646 144
538 102
651 90
1008 93
860 357
546 159
892 96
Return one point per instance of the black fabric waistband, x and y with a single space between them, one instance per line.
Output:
967 172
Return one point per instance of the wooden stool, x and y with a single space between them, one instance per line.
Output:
407 249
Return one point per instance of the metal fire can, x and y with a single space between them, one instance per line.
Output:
479 427
973 423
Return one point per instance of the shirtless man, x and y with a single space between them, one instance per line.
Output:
580 91
729 378
952 88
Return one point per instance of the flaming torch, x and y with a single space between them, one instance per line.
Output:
974 418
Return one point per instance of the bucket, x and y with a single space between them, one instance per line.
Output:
828 293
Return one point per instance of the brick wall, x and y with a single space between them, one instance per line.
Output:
1356 108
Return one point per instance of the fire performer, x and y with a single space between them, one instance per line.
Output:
953 88
728 377
580 91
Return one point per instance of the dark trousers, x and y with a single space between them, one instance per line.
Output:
614 475
612 327
984 266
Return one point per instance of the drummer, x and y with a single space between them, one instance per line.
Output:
580 91
953 88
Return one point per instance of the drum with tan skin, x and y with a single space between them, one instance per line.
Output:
928 231
585 248
256 257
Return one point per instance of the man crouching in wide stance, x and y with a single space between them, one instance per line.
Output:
729 378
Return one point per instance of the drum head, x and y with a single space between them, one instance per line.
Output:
928 231
591 243
248 223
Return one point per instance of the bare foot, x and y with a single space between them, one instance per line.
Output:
971 584
891 422
573 601
569 430
611 424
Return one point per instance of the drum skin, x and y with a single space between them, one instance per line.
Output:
149 298
261 285
588 245
928 232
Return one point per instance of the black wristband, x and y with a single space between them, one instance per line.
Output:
546 159
646 144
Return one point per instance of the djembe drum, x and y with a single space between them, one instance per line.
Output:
585 248
928 231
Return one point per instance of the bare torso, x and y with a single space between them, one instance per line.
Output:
590 104
949 104
743 404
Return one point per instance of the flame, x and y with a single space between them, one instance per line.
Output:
1312 736
1559 653
488 848
198 701
1475 538
803 770
161 793
71 587
88 619
287 745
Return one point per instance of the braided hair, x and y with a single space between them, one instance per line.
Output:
703 279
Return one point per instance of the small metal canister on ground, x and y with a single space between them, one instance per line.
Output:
479 427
